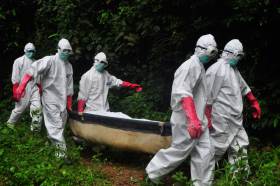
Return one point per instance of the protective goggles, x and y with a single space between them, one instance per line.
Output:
100 61
65 50
236 54
33 51
210 50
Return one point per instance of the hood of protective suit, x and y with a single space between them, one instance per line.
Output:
233 46
64 44
100 57
233 52
100 62
206 48
29 46
64 49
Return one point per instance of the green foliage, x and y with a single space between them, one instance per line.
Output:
146 40
267 163
15 31
270 117
137 105
6 105
180 179
264 167
28 159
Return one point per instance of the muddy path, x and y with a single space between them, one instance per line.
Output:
122 168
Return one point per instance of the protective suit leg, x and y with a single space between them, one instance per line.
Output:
202 161
36 112
237 152
219 145
182 146
55 122
167 160
219 148
17 111
220 135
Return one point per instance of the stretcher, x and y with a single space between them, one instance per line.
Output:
128 134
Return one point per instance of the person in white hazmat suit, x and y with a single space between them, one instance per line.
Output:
190 135
226 87
57 85
95 85
31 97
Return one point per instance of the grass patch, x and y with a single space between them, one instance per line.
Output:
28 159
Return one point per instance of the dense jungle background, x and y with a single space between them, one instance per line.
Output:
145 42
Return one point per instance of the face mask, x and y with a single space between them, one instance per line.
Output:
29 54
64 56
210 52
100 67
234 57
204 59
233 62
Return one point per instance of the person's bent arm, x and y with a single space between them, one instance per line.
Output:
37 67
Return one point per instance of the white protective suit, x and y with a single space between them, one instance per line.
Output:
31 96
189 80
94 86
57 84
226 88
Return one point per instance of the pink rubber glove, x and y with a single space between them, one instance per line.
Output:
21 88
137 87
81 105
255 105
15 86
69 103
194 126
208 112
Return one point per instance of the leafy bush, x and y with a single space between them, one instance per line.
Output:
137 105
146 40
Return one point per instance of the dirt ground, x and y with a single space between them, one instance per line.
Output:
122 168
121 174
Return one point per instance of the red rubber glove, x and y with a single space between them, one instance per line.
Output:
15 86
81 105
194 126
69 103
255 105
21 88
39 85
137 87
208 112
